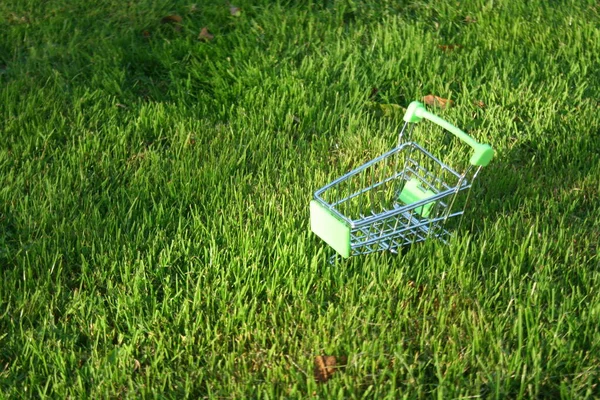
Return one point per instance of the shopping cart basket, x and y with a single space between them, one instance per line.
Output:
404 196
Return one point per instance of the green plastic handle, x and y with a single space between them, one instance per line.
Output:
482 153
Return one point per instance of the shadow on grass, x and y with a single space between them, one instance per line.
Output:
533 178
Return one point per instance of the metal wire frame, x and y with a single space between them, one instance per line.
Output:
367 198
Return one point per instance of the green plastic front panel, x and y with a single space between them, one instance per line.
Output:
413 193
328 227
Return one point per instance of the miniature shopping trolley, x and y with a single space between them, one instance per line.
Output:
402 197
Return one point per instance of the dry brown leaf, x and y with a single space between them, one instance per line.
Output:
235 11
448 47
374 92
325 366
479 103
171 19
205 35
174 20
136 365
436 101
470 20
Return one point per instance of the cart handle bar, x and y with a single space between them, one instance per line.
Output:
483 153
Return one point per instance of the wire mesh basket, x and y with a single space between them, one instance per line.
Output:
404 196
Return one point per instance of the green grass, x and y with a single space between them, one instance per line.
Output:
154 192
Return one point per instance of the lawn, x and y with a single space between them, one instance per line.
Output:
157 160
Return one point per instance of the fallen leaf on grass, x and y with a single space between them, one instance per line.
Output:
448 47
136 365
174 20
235 11
373 94
205 35
470 20
479 103
171 19
325 366
437 101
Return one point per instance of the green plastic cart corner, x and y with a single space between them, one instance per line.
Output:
335 232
